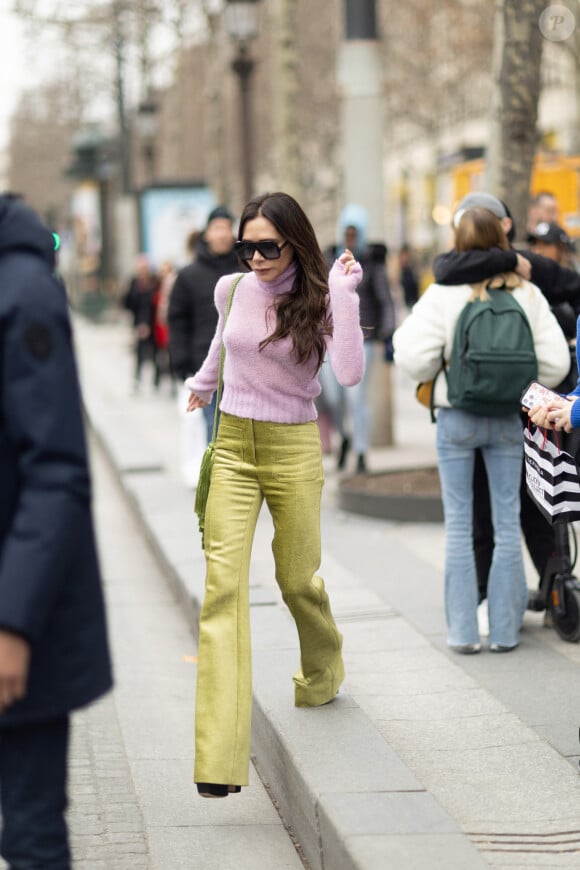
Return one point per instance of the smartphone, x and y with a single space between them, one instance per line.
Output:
538 394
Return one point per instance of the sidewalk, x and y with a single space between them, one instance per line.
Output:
426 760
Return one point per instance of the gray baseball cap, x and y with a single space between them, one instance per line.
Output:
480 200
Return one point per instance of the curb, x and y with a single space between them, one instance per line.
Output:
404 506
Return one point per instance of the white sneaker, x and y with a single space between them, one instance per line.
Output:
483 619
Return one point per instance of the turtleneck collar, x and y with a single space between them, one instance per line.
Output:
284 283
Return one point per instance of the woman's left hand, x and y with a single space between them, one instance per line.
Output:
556 415
195 402
348 261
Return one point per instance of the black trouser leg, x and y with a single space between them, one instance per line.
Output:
482 525
538 533
33 770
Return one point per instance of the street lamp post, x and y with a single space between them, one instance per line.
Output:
147 129
242 26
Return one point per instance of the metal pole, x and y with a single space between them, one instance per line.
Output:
360 79
243 67
124 143
360 19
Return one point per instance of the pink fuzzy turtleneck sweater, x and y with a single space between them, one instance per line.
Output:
268 384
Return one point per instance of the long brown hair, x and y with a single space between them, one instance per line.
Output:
301 315
480 230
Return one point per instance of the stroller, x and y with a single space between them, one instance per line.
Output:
558 591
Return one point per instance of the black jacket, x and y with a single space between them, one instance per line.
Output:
377 310
560 286
192 314
140 301
50 587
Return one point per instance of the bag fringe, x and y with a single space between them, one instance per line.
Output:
203 486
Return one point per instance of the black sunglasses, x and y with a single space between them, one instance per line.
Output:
269 250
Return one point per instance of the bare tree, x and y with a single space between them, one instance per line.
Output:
514 109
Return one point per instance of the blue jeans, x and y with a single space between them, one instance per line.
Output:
209 413
33 773
501 443
354 398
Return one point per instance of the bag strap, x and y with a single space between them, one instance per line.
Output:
432 397
220 383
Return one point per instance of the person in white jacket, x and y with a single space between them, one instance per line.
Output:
419 344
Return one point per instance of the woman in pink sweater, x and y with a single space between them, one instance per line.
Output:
286 314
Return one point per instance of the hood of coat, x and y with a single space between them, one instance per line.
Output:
21 229
356 216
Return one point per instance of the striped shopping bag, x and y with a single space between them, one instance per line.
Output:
552 477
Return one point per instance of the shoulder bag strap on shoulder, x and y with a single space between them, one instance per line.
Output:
220 384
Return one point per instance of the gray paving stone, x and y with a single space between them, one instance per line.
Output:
457 735
224 848
445 705
425 852
486 784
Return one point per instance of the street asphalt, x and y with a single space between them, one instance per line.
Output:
426 759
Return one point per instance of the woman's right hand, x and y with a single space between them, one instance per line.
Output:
195 402
556 415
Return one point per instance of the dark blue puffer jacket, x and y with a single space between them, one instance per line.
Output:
50 586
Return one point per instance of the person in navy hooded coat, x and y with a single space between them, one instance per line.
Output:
53 641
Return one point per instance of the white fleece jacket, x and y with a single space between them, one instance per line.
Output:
429 330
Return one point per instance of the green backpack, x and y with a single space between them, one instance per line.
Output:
492 357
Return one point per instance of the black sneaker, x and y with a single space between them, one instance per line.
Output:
361 465
212 790
343 452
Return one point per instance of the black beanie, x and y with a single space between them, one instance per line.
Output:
218 212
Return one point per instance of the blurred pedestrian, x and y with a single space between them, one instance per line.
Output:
140 301
543 208
166 278
408 276
287 313
53 642
421 342
377 318
192 323
192 313
552 241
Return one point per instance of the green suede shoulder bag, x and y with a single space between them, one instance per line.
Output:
207 461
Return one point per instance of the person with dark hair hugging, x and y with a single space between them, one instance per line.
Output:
285 315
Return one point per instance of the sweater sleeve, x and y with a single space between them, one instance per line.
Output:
419 342
468 267
204 383
345 345
552 351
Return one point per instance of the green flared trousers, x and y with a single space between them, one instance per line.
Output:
282 464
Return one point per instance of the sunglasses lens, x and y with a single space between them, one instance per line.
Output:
269 250
245 250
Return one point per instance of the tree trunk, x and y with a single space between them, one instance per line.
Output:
288 99
514 109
